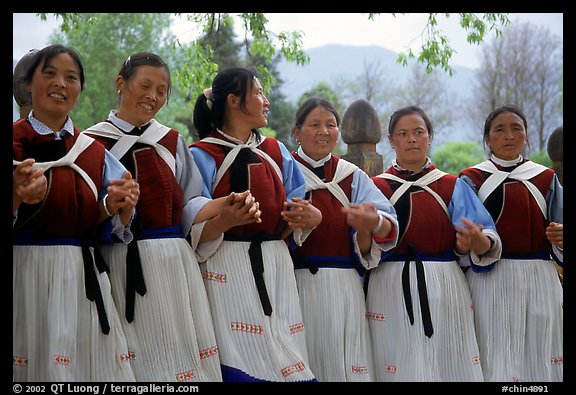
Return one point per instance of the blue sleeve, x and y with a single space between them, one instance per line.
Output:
207 167
365 191
555 201
113 170
465 203
555 204
293 179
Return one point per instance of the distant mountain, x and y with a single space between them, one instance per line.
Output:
330 61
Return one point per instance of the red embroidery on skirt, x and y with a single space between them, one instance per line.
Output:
219 277
288 370
208 352
127 357
250 328
360 369
296 328
557 360
20 360
390 369
62 359
184 376
375 316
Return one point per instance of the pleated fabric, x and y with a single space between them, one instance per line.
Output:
519 320
402 351
337 335
254 346
172 337
59 335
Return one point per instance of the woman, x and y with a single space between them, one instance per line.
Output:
65 326
250 278
420 312
358 223
156 279
518 300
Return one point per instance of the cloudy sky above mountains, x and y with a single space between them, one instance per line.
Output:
394 33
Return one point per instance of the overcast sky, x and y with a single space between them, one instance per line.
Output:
394 33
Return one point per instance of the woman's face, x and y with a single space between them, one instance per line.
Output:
143 95
507 136
410 139
56 88
257 106
318 134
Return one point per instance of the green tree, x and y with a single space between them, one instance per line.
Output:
323 90
436 51
223 42
218 43
281 110
454 157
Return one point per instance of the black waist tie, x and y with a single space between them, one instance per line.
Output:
257 263
91 284
134 278
422 292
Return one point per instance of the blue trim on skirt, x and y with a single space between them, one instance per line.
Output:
230 374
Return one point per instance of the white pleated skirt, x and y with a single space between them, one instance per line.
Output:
519 320
172 336
402 352
252 345
56 334
337 335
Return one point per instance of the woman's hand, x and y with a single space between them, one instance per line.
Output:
300 213
29 184
123 195
470 237
555 234
362 217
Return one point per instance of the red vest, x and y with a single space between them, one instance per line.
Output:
518 219
332 236
161 197
260 178
70 208
422 222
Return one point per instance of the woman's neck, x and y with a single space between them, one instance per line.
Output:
55 124
413 167
238 133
